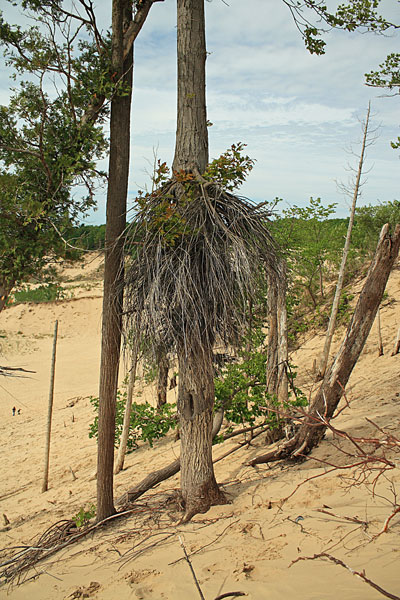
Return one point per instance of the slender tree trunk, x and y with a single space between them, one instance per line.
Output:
195 406
123 443
114 267
162 380
5 291
272 348
396 348
339 285
191 149
45 483
331 390
282 390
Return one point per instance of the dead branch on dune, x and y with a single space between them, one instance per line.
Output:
360 574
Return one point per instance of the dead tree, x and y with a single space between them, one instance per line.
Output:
339 285
331 390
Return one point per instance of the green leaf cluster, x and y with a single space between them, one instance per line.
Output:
147 423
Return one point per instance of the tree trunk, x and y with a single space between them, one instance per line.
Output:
191 149
282 389
339 285
272 348
331 390
123 443
162 380
5 291
195 406
114 266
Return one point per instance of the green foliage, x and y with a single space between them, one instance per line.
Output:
231 168
369 221
147 423
46 146
312 245
43 293
241 389
83 517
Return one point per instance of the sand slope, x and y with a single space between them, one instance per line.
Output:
246 545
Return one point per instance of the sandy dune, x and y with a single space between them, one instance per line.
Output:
246 545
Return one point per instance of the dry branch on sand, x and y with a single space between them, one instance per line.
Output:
360 574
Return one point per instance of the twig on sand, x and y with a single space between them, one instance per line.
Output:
230 595
191 568
359 574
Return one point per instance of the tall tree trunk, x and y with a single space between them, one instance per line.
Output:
113 266
339 286
195 407
191 149
331 390
196 373
162 379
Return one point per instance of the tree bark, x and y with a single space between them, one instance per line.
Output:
114 266
282 390
5 291
123 443
342 270
331 390
196 393
162 380
191 149
272 348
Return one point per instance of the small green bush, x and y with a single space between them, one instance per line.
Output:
147 423
43 293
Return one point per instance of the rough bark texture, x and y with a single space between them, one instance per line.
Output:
199 488
156 477
162 380
113 266
336 378
191 149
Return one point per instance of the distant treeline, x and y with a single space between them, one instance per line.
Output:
368 223
88 237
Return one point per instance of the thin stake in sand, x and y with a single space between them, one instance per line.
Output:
50 412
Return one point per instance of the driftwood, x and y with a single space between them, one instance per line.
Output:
331 390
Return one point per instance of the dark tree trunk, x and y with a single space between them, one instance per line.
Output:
162 380
113 267
195 408
5 291
191 149
336 378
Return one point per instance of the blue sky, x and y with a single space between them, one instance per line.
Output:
298 113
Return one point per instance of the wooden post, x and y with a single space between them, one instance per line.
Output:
378 323
396 349
50 412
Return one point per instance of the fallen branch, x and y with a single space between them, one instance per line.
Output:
196 581
359 574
